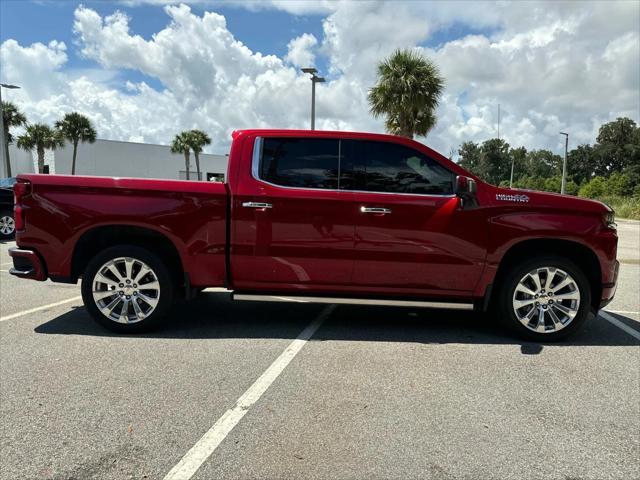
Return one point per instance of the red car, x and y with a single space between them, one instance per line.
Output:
316 216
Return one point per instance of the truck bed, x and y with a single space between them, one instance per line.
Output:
63 210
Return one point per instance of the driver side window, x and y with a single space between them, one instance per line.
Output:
389 167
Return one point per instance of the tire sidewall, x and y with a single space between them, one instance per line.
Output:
510 282
153 261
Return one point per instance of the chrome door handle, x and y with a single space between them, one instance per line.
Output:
256 205
378 210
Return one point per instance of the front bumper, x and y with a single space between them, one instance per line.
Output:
609 289
27 264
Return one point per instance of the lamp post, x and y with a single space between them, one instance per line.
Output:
6 166
564 164
314 79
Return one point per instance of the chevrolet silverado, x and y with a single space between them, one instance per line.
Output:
314 216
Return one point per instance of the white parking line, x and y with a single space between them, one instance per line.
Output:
614 321
624 312
204 447
37 309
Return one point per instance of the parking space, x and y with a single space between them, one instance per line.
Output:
375 393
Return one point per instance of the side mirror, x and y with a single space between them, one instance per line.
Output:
465 189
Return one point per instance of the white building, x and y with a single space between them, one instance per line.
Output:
110 158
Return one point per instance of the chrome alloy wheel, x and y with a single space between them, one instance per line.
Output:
546 300
7 225
126 290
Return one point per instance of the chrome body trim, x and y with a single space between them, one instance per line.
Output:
352 301
255 173
256 205
376 210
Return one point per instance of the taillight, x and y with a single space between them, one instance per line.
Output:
21 189
18 218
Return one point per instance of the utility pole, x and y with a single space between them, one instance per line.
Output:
6 165
498 121
564 164
314 79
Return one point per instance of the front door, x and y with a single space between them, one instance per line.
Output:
412 237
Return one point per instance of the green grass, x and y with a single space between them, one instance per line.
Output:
625 207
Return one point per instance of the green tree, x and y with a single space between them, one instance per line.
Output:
543 163
491 161
581 163
553 184
76 128
469 158
619 184
571 188
594 188
495 161
197 140
407 93
518 158
182 144
618 146
12 117
40 137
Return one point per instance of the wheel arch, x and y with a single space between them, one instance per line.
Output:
101 237
581 255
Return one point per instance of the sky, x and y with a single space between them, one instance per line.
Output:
144 70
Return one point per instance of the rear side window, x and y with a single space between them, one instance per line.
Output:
301 162
389 167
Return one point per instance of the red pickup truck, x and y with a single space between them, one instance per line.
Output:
314 216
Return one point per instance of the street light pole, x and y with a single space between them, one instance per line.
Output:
313 104
4 147
513 163
564 164
314 79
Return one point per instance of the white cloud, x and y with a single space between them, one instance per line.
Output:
551 66
300 50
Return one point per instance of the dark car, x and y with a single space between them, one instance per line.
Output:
7 224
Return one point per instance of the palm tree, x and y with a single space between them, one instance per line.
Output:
76 128
182 144
12 117
198 139
407 93
40 137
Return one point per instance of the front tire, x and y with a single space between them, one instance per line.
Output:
127 289
544 299
7 225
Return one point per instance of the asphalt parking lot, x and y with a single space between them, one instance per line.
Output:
248 390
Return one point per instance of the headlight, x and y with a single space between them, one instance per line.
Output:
610 220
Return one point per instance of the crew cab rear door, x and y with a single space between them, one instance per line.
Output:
292 222
412 237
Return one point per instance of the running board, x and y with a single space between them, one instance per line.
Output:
352 301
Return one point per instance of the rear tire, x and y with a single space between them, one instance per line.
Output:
545 299
7 225
127 289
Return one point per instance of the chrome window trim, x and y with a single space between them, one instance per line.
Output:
257 155
258 145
